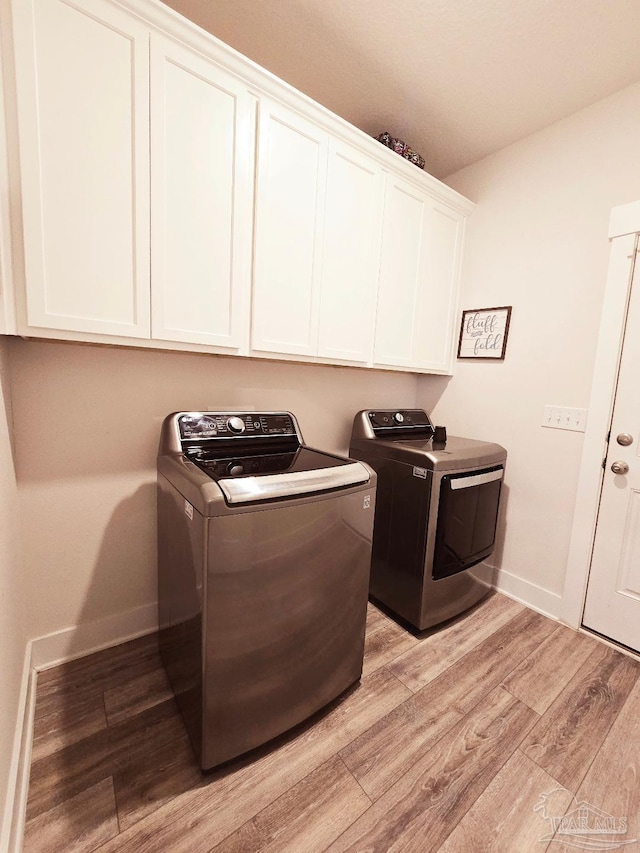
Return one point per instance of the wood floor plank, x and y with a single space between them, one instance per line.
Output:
486 665
168 770
375 616
380 756
136 695
68 725
78 825
418 812
569 734
62 686
74 768
612 783
539 679
383 643
197 820
503 819
433 757
383 753
444 646
102 664
307 818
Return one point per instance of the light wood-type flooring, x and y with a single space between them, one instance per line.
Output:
476 736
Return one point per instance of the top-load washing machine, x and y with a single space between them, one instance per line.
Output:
436 513
264 549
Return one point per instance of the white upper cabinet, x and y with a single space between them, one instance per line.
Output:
7 302
202 138
418 279
291 182
350 254
174 194
317 242
82 72
435 325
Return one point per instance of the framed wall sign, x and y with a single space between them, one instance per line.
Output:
483 333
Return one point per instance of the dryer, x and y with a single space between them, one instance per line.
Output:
436 513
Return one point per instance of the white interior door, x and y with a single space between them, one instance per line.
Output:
613 595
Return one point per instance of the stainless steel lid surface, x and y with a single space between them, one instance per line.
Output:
247 458
383 435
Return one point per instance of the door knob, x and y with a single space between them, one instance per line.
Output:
625 439
620 468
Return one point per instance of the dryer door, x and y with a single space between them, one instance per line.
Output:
467 519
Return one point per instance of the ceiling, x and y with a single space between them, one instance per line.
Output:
455 79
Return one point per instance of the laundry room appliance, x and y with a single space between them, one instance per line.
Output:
264 550
436 513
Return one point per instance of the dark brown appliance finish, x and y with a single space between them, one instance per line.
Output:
263 573
436 514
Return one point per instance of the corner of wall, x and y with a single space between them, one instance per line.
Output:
15 806
530 594
80 640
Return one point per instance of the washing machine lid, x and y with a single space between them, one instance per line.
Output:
269 476
247 457
312 472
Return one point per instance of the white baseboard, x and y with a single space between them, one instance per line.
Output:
81 640
528 593
18 782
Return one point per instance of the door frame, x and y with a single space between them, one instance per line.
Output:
624 231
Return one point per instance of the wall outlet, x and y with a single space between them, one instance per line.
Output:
562 417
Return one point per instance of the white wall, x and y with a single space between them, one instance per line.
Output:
87 423
13 629
538 241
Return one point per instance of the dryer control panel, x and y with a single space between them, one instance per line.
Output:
400 420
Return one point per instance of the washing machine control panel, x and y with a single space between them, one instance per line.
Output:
197 426
236 425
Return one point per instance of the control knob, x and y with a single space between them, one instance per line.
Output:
398 418
236 425
235 469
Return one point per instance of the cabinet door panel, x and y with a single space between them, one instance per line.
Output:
350 255
201 195
82 76
7 301
436 305
418 280
402 267
289 208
